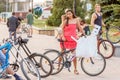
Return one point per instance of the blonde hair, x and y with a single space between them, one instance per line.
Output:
97 5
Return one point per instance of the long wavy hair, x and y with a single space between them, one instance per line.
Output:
74 16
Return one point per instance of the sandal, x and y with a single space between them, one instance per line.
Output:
76 72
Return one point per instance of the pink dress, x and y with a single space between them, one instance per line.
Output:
69 31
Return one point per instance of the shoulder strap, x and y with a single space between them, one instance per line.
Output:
96 14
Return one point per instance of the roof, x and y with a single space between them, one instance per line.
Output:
47 8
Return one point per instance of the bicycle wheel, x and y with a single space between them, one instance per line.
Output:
113 34
93 66
56 59
25 29
29 70
106 48
43 64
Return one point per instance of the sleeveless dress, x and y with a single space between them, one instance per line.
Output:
70 30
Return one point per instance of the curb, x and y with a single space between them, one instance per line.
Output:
117 50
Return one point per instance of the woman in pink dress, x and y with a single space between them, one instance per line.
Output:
69 27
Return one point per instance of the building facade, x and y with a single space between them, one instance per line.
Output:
20 5
48 3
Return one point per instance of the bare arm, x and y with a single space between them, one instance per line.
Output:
62 26
103 23
63 18
93 19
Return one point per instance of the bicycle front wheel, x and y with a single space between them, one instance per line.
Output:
93 66
29 70
56 59
43 64
106 48
113 34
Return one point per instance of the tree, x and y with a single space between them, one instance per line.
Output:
111 11
58 9
2 5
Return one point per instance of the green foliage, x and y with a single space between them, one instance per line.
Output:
2 5
58 9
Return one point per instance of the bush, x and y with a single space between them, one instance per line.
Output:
53 21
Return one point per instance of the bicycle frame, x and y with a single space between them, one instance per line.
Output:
26 50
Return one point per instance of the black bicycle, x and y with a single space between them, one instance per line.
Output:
44 65
106 48
113 34
92 66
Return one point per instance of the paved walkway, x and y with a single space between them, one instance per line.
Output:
40 42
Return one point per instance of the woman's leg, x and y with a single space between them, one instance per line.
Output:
75 65
60 59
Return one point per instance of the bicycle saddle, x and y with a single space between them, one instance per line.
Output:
23 41
60 40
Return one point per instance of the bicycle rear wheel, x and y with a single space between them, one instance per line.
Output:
93 66
24 29
43 64
56 59
113 34
29 70
106 48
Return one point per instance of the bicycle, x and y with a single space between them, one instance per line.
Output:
31 72
88 65
43 65
113 34
24 28
105 47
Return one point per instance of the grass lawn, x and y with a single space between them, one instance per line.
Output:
42 24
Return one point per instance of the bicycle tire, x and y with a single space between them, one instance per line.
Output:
25 30
43 64
110 35
30 66
106 48
86 65
54 55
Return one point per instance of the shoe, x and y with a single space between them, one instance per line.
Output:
76 72
6 76
19 78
